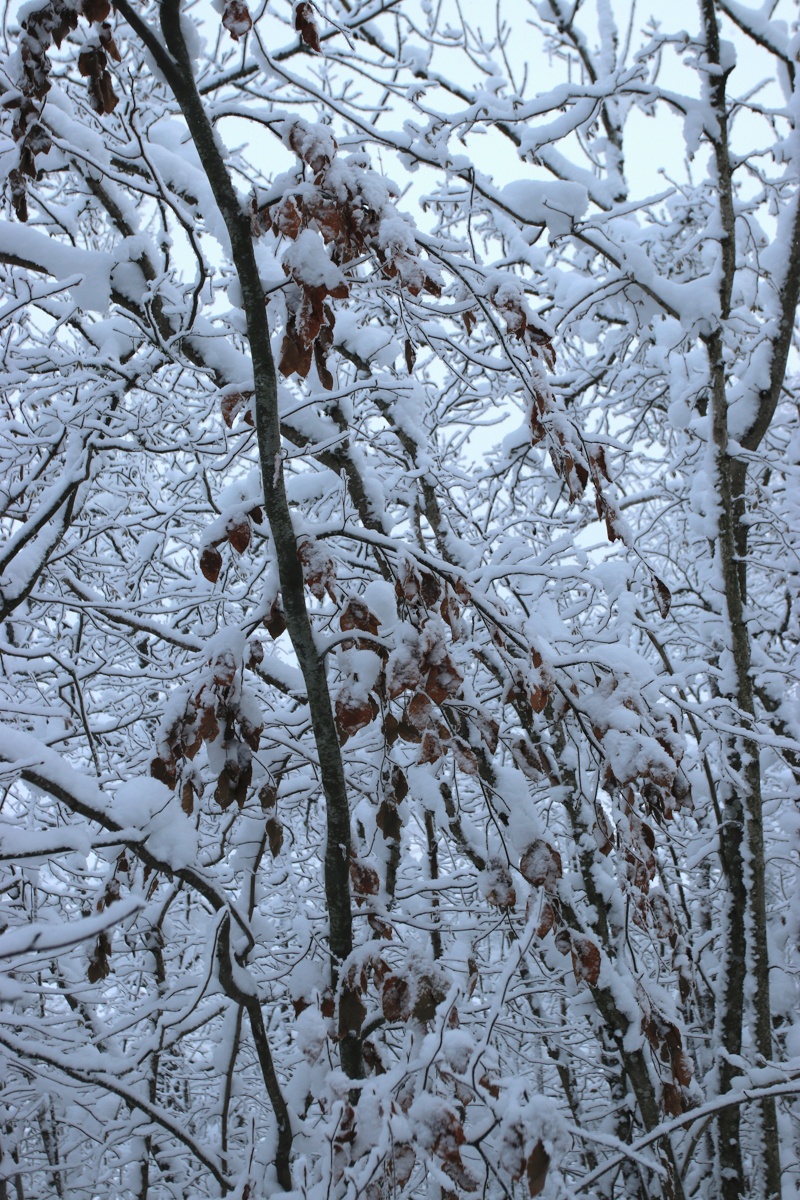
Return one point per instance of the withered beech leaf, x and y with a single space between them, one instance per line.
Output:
187 798
585 959
306 25
541 865
536 1171
236 19
662 594
357 615
239 532
95 10
211 563
274 830
411 356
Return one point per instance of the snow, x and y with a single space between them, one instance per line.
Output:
554 204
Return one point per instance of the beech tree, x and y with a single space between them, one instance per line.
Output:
399 585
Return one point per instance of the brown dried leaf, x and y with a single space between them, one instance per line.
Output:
536 1171
238 532
671 1100
295 354
541 865
352 1010
274 831
662 594
95 10
354 712
319 571
99 966
547 920
431 749
306 25
164 770
364 878
497 884
388 821
396 998
187 798
275 621
236 19
411 356
230 404
211 563
585 959
356 615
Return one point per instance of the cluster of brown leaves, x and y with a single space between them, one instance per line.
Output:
542 867
238 534
99 967
519 1160
213 716
672 1060
47 26
339 210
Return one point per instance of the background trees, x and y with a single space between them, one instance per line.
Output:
401 749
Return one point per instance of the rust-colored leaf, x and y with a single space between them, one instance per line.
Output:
187 798
585 960
431 749
364 878
536 1170
354 712
99 966
357 615
547 919
662 594
236 19
671 1100
295 355
396 998
209 725
211 563
275 621
388 820
402 1163
238 532
352 1010
274 833
95 10
319 571
411 356
287 217
541 865
306 25
497 884
164 770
